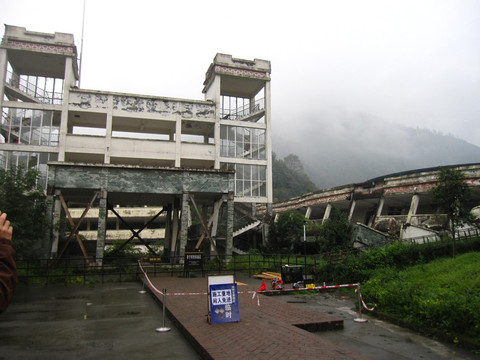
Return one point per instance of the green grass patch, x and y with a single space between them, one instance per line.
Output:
443 294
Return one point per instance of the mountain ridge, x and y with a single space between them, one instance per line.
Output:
349 154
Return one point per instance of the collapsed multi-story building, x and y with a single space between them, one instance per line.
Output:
119 154
395 206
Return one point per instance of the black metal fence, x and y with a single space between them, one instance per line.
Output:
78 271
118 269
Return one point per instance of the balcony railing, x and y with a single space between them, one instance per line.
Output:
34 89
243 111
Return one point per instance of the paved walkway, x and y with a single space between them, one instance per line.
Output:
267 331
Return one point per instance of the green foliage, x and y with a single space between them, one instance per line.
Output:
352 266
285 231
336 233
443 294
451 194
24 202
289 178
117 249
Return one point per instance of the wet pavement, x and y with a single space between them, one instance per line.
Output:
116 321
375 338
110 321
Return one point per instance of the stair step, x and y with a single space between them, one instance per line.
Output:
246 228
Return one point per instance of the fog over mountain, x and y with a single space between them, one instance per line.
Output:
338 148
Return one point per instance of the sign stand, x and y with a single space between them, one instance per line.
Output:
222 300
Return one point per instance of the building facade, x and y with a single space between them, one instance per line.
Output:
136 150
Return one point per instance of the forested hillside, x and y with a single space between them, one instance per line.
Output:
289 178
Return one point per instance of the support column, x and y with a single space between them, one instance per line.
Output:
68 82
308 213
175 226
178 143
57 210
413 207
326 215
229 240
213 233
268 142
213 94
352 209
380 204
102 226
266 225
108 130
184 226
3 72
46 241
168 231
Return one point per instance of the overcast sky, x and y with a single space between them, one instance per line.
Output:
415 63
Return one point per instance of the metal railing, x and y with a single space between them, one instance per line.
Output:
243 111
71 271
115 269
459 234
34 90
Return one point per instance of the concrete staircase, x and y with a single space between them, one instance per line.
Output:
246 228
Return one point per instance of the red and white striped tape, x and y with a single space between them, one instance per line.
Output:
244 292
363 302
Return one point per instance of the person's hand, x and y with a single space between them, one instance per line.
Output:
5 228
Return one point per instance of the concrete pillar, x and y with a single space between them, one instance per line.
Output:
178 143
168 231
46 241
213 233
68 81
268 141
308 213
184 226
378 213
352 209
175 226
381 202
3 72
413 207
108 132
213 94
102 226
326 215
229 240
57 211
266 226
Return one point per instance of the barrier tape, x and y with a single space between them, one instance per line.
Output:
363 302
254 292
148 280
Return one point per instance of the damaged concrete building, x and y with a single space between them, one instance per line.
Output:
396 206
156 161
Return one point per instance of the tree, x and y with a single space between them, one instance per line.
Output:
24 202
289 178
336 233
286 230
294 163
451 193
